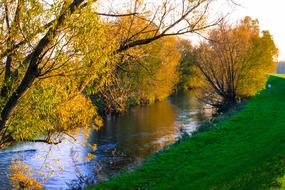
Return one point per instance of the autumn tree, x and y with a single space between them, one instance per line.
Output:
142 74
234 64
47 63
154 75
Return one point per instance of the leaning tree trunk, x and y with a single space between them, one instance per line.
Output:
15 97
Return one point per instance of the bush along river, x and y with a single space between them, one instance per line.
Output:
123 142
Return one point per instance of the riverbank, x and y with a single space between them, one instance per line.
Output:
242 151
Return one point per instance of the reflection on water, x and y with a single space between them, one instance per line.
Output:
153 127
123 142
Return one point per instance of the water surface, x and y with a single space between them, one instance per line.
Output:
123 142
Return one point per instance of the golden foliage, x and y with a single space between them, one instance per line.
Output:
58 100
166 77
52 106
235 64
22 177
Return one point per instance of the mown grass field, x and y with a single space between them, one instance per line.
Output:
243 151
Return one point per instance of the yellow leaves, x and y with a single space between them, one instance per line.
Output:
90 157
76 112
61 168
148 73
98 122
21 177
94 147
125 27
167 74
53 105
236 64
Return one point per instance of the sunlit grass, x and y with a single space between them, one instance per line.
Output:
278 75
242 151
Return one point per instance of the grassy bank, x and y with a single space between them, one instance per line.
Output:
244 151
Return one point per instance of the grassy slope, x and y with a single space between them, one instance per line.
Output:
244 151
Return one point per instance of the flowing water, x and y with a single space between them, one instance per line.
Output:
122 143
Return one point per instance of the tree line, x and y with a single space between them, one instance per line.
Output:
63 62
56 54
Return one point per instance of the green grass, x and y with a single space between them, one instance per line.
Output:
243 151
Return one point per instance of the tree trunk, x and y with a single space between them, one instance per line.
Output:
5 88
228 102
15 97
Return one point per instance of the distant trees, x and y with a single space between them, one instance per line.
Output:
234 64
54 54
186 62
281 67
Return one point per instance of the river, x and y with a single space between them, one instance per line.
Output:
122 143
